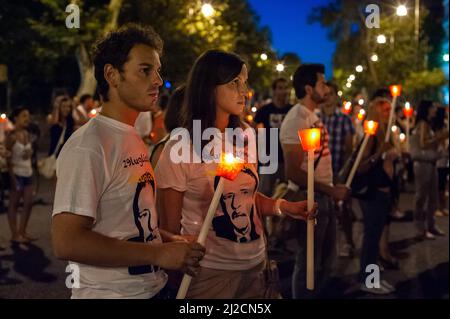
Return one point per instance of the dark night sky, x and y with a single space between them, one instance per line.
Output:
291 32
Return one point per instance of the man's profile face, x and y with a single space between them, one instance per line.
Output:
140 79
320 90
239 201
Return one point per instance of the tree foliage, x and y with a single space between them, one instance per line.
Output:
400 60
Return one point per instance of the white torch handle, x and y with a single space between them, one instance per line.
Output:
391 117
203 233
310 224
357 161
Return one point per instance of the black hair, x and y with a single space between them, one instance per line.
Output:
114 49
212 68
422 111
163 101
333 86
382 92
16 112
278 80
306 74
438 123
85 97
171 120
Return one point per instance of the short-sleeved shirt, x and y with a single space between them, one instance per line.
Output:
234 241
104 173
300 118
272 117
339 126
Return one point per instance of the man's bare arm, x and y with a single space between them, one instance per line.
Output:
74 239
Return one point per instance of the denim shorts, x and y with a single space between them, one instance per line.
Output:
22 182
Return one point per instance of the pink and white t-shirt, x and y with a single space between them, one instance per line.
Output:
235 240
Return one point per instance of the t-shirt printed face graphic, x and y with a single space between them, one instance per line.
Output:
235 221
275 120
145 218
104 173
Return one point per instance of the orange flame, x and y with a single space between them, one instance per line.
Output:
395 90
347 107
229 167
310 139
408 111
370 127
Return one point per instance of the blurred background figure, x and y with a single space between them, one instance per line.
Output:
20 170
81 112
440 125
424 151
341 133
61 123
269 116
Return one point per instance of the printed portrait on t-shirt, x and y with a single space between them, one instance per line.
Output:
144 218
275 120
237 206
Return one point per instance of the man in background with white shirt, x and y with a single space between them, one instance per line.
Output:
311 90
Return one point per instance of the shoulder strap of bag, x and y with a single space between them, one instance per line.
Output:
60 141
316 162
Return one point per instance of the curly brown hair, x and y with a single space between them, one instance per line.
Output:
114 49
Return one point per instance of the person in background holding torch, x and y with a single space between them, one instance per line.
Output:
376 168
311 90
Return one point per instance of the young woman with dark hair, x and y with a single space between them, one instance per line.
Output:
235 249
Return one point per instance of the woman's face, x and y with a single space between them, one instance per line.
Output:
432 112
383 110
65 108
231 97
22 119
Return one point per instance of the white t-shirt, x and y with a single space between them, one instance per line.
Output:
234 241
143 124
300 118
104 173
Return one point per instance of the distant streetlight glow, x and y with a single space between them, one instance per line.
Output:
381 39
263 56
374 57
207 10
402 11
254 109
359 68
280 67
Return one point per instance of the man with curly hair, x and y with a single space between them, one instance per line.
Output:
104 218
